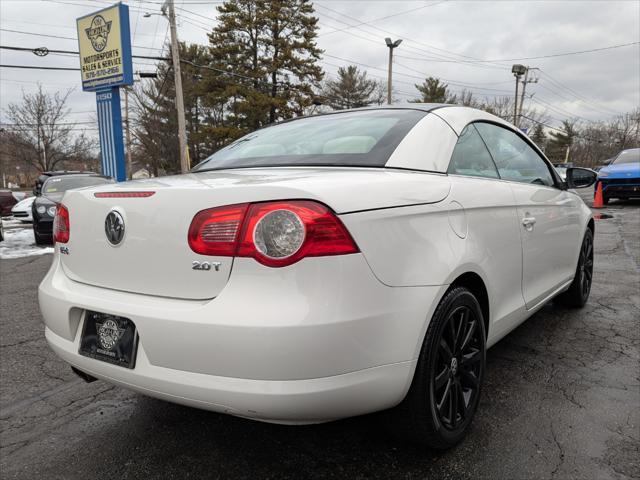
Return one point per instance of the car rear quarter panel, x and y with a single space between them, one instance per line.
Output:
475 229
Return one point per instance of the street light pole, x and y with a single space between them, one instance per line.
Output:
168 11
517 70
391 46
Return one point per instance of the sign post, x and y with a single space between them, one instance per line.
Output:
104 42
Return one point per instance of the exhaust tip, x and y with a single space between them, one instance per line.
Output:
85 376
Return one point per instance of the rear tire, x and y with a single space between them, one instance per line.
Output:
578 293
445 391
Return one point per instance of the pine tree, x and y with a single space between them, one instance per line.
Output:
434 91
560 141
352 89
270 48
156 125
538 135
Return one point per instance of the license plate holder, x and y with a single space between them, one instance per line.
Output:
109 338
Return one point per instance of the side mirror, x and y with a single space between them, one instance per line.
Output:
580 177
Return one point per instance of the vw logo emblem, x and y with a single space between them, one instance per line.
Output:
114 227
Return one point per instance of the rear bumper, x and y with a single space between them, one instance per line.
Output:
289 402
279 345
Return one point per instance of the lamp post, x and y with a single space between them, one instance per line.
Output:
391 46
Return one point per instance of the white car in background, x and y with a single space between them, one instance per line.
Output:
22 210
322 268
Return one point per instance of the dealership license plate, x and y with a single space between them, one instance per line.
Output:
109 338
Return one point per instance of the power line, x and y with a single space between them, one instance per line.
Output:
32 67
572 91
60 37
369 22
447 53
553 55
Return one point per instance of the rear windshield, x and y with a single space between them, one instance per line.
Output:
628 156
55 187
353 139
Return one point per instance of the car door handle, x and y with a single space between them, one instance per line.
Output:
528 223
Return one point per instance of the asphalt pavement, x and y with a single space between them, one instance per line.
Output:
561 400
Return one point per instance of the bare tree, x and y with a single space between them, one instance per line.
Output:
503 108
42 136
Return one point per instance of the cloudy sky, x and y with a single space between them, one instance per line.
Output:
445 39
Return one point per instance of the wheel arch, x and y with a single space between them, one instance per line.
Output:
475 284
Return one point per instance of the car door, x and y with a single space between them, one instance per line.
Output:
493 238
548 214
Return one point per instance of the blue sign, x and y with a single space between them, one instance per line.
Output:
104 42
110 128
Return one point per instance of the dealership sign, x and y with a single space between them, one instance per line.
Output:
105 63
104 42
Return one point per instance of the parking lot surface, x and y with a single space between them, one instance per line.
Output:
561 400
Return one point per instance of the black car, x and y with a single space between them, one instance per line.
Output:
52 190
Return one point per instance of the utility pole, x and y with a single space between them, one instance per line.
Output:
527 79
391 46
169 12
517 70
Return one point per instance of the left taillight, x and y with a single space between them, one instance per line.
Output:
61 227
275 234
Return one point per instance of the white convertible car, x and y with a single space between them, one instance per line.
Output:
322 268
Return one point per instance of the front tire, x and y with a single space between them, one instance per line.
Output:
446 386
578 293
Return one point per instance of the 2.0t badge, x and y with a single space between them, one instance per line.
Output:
114 227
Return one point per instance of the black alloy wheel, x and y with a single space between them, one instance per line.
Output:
445 391
585 266
579 290
458 367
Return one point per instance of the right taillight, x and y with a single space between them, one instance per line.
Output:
276 234
61 226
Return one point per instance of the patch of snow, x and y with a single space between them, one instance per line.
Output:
19 242
10 222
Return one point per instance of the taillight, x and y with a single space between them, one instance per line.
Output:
215 231
61 227
276 234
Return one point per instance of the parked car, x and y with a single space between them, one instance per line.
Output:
621 178
1 230
44 176
22 210
8 199
43 208
321 268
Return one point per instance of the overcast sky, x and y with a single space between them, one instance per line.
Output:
440 38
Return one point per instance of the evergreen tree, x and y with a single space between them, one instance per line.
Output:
270 48
538 135
434 91
560 141
156 126
352 89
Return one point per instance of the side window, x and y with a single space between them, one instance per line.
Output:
471 157
515 159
